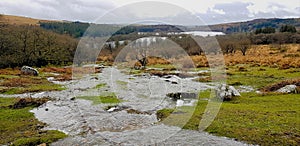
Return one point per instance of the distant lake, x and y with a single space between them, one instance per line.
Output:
203 33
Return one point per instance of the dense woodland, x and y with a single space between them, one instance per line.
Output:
56 42
34 46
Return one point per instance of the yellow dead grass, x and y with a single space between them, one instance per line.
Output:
19 20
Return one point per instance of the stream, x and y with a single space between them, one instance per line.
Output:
92 124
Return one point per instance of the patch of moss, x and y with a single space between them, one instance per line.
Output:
121 82
163 113
46 137
20 127
104 98
100 85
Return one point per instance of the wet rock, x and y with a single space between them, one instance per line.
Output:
225 92
186 102
173 82
26 70
116 108
288 89
182 95
94 78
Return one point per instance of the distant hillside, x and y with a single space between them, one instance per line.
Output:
19 20
77 29
250 26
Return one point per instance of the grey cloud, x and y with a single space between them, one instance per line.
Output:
57 9
90 10
238 11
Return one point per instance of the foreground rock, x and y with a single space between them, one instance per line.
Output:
26 70
150 136
225 92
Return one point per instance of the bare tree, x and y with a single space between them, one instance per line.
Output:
141 56
244 46
141 52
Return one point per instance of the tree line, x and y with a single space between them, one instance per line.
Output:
35 46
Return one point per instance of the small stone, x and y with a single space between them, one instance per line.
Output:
288 89
225 92
43 144
26 70
174 82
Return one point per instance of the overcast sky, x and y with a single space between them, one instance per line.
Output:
210 12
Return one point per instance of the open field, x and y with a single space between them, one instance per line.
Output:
12 82
270 119
265 118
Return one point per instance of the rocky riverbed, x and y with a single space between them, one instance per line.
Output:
135 123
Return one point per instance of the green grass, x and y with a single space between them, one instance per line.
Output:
271 119
104 98
123 83
187 117
34 88
259 77
100 85
264 120
267 119
134 72
43 137
20 127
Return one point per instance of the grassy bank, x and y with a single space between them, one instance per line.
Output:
260 119
19 127
259 77
270 119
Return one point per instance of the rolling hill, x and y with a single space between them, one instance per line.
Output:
19 20
252 25
77 29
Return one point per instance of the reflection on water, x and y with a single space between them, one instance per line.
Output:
185 102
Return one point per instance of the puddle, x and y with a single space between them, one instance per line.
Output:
185 102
